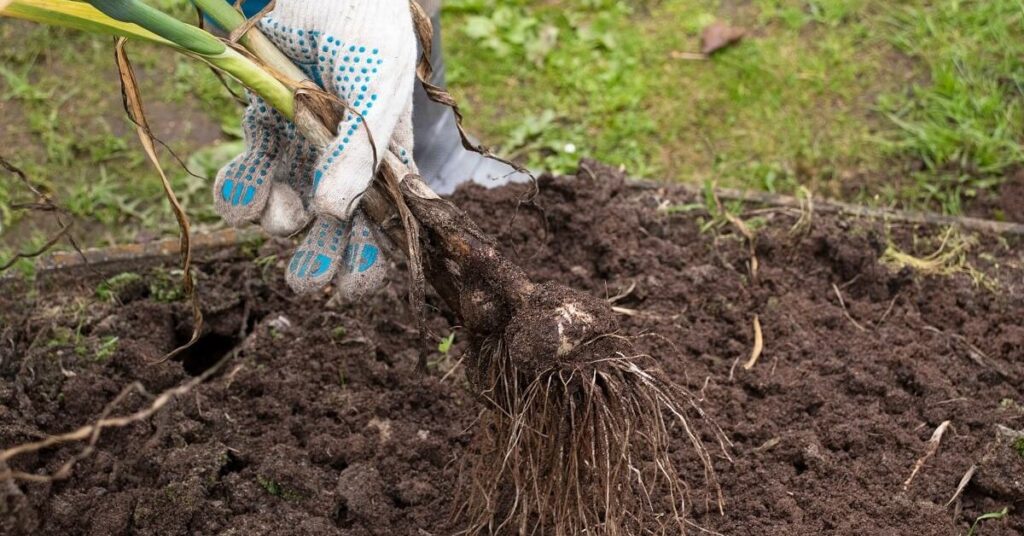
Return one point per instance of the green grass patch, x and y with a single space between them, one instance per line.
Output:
966 122
913 103
65 127
780 109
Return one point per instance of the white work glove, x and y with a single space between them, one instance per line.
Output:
364 52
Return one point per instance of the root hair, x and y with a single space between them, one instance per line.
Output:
583 448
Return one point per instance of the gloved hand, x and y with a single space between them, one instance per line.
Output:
364 52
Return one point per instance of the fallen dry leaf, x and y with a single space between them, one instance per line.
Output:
719 35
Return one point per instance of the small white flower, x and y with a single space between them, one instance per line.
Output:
570 148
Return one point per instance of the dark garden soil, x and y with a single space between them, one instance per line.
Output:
1007 203
319 425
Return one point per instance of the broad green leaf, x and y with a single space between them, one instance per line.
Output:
75 15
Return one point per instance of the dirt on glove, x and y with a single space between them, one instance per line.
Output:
318 423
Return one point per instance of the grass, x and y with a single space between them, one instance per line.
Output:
748 117
915 103
966 125
986 517
64 126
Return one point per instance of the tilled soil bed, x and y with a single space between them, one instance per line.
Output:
318 423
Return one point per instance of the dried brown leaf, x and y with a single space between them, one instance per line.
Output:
132 100
930 450
719 35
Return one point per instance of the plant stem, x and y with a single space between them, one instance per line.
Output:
230 19
222 13
203 46
162 24
259 81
